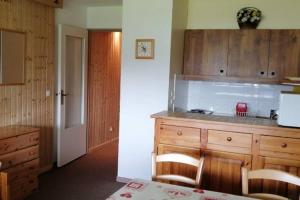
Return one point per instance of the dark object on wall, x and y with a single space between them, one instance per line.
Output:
248 18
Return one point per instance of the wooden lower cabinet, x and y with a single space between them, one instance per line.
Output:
19 156
276 187
175 168
227 147
222 171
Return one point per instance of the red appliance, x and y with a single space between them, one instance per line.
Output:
241 109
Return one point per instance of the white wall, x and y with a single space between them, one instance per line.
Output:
179 23
104 17
221 14
144 83
71 14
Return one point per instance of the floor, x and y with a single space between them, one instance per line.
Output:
88 178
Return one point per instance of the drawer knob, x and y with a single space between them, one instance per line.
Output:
283 145
229 139
179 133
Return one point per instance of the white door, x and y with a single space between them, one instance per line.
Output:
71 94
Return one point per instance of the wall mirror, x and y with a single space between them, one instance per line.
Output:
12 57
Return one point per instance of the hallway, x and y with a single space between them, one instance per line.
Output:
88 178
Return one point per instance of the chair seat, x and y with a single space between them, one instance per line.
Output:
179 178
266 196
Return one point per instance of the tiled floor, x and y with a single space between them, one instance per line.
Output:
88 178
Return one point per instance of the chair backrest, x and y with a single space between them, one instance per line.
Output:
178 158
269 174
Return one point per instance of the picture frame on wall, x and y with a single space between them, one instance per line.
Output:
144 48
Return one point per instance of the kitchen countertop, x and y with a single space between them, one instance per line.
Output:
228 120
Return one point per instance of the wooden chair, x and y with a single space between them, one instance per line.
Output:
178 158
269 174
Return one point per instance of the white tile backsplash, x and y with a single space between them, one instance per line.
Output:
181 94
223 97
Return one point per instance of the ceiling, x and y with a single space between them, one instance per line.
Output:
97 2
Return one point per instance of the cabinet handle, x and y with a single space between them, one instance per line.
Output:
273 73
262 73
229 139
222 71
179 133
283 145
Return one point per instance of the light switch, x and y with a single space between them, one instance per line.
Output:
48 93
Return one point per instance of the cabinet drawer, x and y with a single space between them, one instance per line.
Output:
19 142
229 141
20 188
21 171
15 158
179 136
279 144
18 182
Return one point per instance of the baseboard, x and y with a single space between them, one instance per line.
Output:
123 179
101 145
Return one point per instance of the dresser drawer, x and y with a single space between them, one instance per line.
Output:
15 158
22 170
279 144
19 142
229 141
20 188
179 136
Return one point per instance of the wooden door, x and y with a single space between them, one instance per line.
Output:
275 187
205 52
284 60
222 171
174 168
103 87
248 53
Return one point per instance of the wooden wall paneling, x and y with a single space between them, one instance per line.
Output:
103 87
27 104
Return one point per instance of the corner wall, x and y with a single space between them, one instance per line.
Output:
71 14
104 17
179 23
144 83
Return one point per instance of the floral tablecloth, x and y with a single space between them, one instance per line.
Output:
149 190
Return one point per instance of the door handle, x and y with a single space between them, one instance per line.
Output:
62 97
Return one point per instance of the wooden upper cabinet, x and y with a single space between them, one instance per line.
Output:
284 57
206 52
248 53
51 3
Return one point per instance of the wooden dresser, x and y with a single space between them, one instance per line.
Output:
19 157
228 143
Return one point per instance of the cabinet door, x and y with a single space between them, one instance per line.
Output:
248 53
206 52
175 168
275 187
284 60
222 171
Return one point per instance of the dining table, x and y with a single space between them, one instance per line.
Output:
138 189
